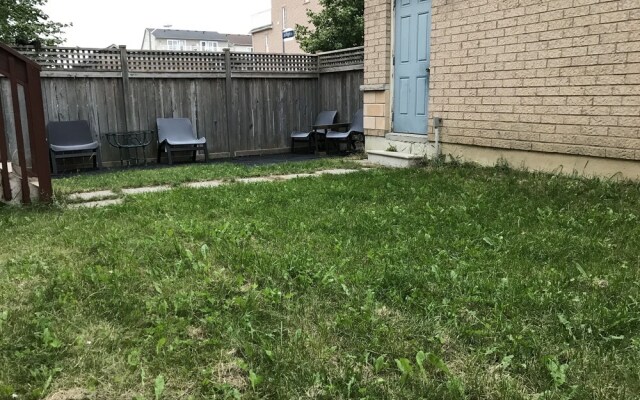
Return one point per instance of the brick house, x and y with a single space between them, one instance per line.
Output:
547 84
283 15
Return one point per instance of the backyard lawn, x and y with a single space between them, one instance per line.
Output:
447 282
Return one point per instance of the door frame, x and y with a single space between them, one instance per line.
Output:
392 75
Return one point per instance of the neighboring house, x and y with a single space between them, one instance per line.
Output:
547 84
240 43
174 39
283 15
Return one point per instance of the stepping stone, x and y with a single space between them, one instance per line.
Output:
337 171
258 179
206 184
292 176
86 196
95 204
149 189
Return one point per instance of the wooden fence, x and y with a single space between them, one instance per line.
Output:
243 103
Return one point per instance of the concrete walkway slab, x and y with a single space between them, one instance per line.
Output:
292 176
148 189
104 198
259 179
204 185
96 204
336 171
87 196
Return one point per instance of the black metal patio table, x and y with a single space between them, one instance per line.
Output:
325 128
129 144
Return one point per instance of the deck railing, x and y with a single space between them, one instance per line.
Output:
24 157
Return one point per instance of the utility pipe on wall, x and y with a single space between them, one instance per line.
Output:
437 125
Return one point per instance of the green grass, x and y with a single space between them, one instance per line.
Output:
176 175
442 283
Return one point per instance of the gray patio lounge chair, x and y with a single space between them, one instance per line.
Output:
68 139
176 134
324 118
352 136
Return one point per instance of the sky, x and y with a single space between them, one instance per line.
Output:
106 22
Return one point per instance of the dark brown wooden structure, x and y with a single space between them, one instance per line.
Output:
32 150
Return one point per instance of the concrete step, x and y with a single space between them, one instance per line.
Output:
394 159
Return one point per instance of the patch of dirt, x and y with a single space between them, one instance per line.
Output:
389 313
247 287
71 394
231 374
600 283
195 332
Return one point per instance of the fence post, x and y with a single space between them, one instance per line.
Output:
39 146
4 156
22 158
318 108
125 86
228 97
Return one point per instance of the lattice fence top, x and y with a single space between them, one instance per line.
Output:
277 63
175 61
341 58
71 59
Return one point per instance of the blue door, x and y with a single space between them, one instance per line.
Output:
411 65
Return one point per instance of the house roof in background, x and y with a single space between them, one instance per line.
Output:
240 40
187 35
261 28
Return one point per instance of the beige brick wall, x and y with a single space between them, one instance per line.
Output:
560 76
377 121
377 41
377 70
296 14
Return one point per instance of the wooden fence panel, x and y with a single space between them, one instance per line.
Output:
265 111
211 113
97 100
341 91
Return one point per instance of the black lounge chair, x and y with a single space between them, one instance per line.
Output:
176 134
68 139
324 118
352 136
